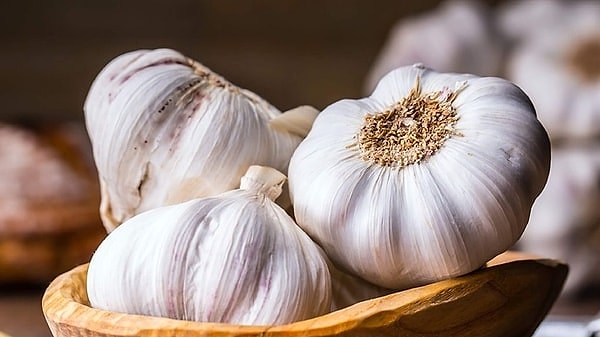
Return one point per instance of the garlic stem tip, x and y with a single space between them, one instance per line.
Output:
263 179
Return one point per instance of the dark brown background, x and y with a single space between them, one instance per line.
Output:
289 52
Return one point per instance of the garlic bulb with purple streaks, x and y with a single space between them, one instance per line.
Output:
166 129
236 258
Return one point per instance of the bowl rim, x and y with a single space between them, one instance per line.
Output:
65 303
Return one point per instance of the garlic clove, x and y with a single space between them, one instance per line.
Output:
236 258
296 121
166 129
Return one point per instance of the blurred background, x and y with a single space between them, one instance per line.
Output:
298 52
289 52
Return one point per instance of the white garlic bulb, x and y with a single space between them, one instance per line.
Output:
519 20
429 177
348 289
457 36
236 258
166 129
557 62
565 219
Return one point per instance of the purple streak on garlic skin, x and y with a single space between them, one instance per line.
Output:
235 258
166 129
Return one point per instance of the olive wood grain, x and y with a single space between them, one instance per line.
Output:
510 296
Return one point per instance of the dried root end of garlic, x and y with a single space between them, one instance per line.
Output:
584 58
412 129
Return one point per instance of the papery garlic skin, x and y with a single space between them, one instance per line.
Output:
457 36
446 215
556 60
166 129
236 258
565 219
348 289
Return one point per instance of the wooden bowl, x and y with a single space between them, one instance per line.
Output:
510 296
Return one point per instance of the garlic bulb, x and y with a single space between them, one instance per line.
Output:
557 63
165 129
565 219
348 289
236 258
429 177
455 37
519 20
